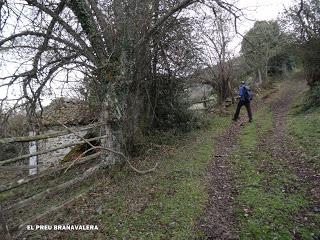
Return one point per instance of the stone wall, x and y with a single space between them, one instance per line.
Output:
53 158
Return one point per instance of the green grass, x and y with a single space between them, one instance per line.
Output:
249 134
264 207
304 127
167 203
5 195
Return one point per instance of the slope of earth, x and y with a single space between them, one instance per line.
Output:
164 204
277 182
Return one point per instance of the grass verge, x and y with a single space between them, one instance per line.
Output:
164 204
304 127
269 195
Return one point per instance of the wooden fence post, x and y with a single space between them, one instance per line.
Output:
33 160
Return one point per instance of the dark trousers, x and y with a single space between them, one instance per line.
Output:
248 107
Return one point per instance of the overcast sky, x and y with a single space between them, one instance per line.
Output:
263 10
257 10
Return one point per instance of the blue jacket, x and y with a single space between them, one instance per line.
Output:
241 92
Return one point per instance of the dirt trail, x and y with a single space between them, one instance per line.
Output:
219 221
279 144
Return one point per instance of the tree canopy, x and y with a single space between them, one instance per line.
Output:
302 21
126 57
259 45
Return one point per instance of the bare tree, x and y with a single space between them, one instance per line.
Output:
115 46
217 53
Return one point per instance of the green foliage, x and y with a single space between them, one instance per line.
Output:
173 58
265 49
171 106
302 21
167 203
260 43
280 64
304 127
309 52
312 98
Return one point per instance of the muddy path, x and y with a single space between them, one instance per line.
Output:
218 221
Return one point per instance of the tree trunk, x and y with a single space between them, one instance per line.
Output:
230 92
266 73
258 77
139 74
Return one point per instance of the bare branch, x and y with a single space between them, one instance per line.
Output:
112 151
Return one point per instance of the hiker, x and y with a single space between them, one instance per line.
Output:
245 95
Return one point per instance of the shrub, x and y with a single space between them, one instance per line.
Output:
312 98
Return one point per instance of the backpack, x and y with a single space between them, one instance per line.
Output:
248 94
